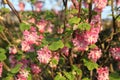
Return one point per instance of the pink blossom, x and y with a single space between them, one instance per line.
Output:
115 53
21 6
99 5
25 46
32 20
35 69
103 73
23 75
1 69
30 37
12 50
44 55
65 50
92 35
38 6
42 26
118 2
95 54
79 42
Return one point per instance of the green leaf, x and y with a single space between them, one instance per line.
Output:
29 77
90 65
84 26
59 77
69 44
24 26
1 28
76 69
5 10
54 61
2 57
74 20
85 79
92 46
56 45
16 68
114 76
69 75
61 61
2 50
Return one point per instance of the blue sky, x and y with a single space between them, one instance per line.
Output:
49 6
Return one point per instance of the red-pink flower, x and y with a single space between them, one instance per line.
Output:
99 5
44 55
65 50
115 53
118 2
95 54
23 75
12 60
35 69
42 26
21 6
103 73
38 5
25 46
12 50
1 69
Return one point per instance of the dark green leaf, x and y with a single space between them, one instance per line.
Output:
115 76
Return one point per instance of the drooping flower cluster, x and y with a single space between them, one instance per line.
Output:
95 54
82 40
23 75
118 3
44 55
1 69
103 73
65 50
35 69
99 5
115 53
29 38
21 6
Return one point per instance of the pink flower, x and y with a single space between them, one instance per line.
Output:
115 53
44 55
38 6
23 75
95 54
79 42
1 69
42 26
21 6
118 2
65 50
100 4
12 50
35 69
103 73
12 60
91 36
32 20
25 46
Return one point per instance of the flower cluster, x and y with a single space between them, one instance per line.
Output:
29 38
103 73
23 75
82 40
99 5
1 69
115 53
35 69
44 55
95 54
12 50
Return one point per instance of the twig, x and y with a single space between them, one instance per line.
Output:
90 11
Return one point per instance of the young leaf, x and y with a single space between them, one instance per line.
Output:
16 68
74 20
76 69
90 65
24 26
85 79
56 45
1 28
59 77
69 75
84 26
2 57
